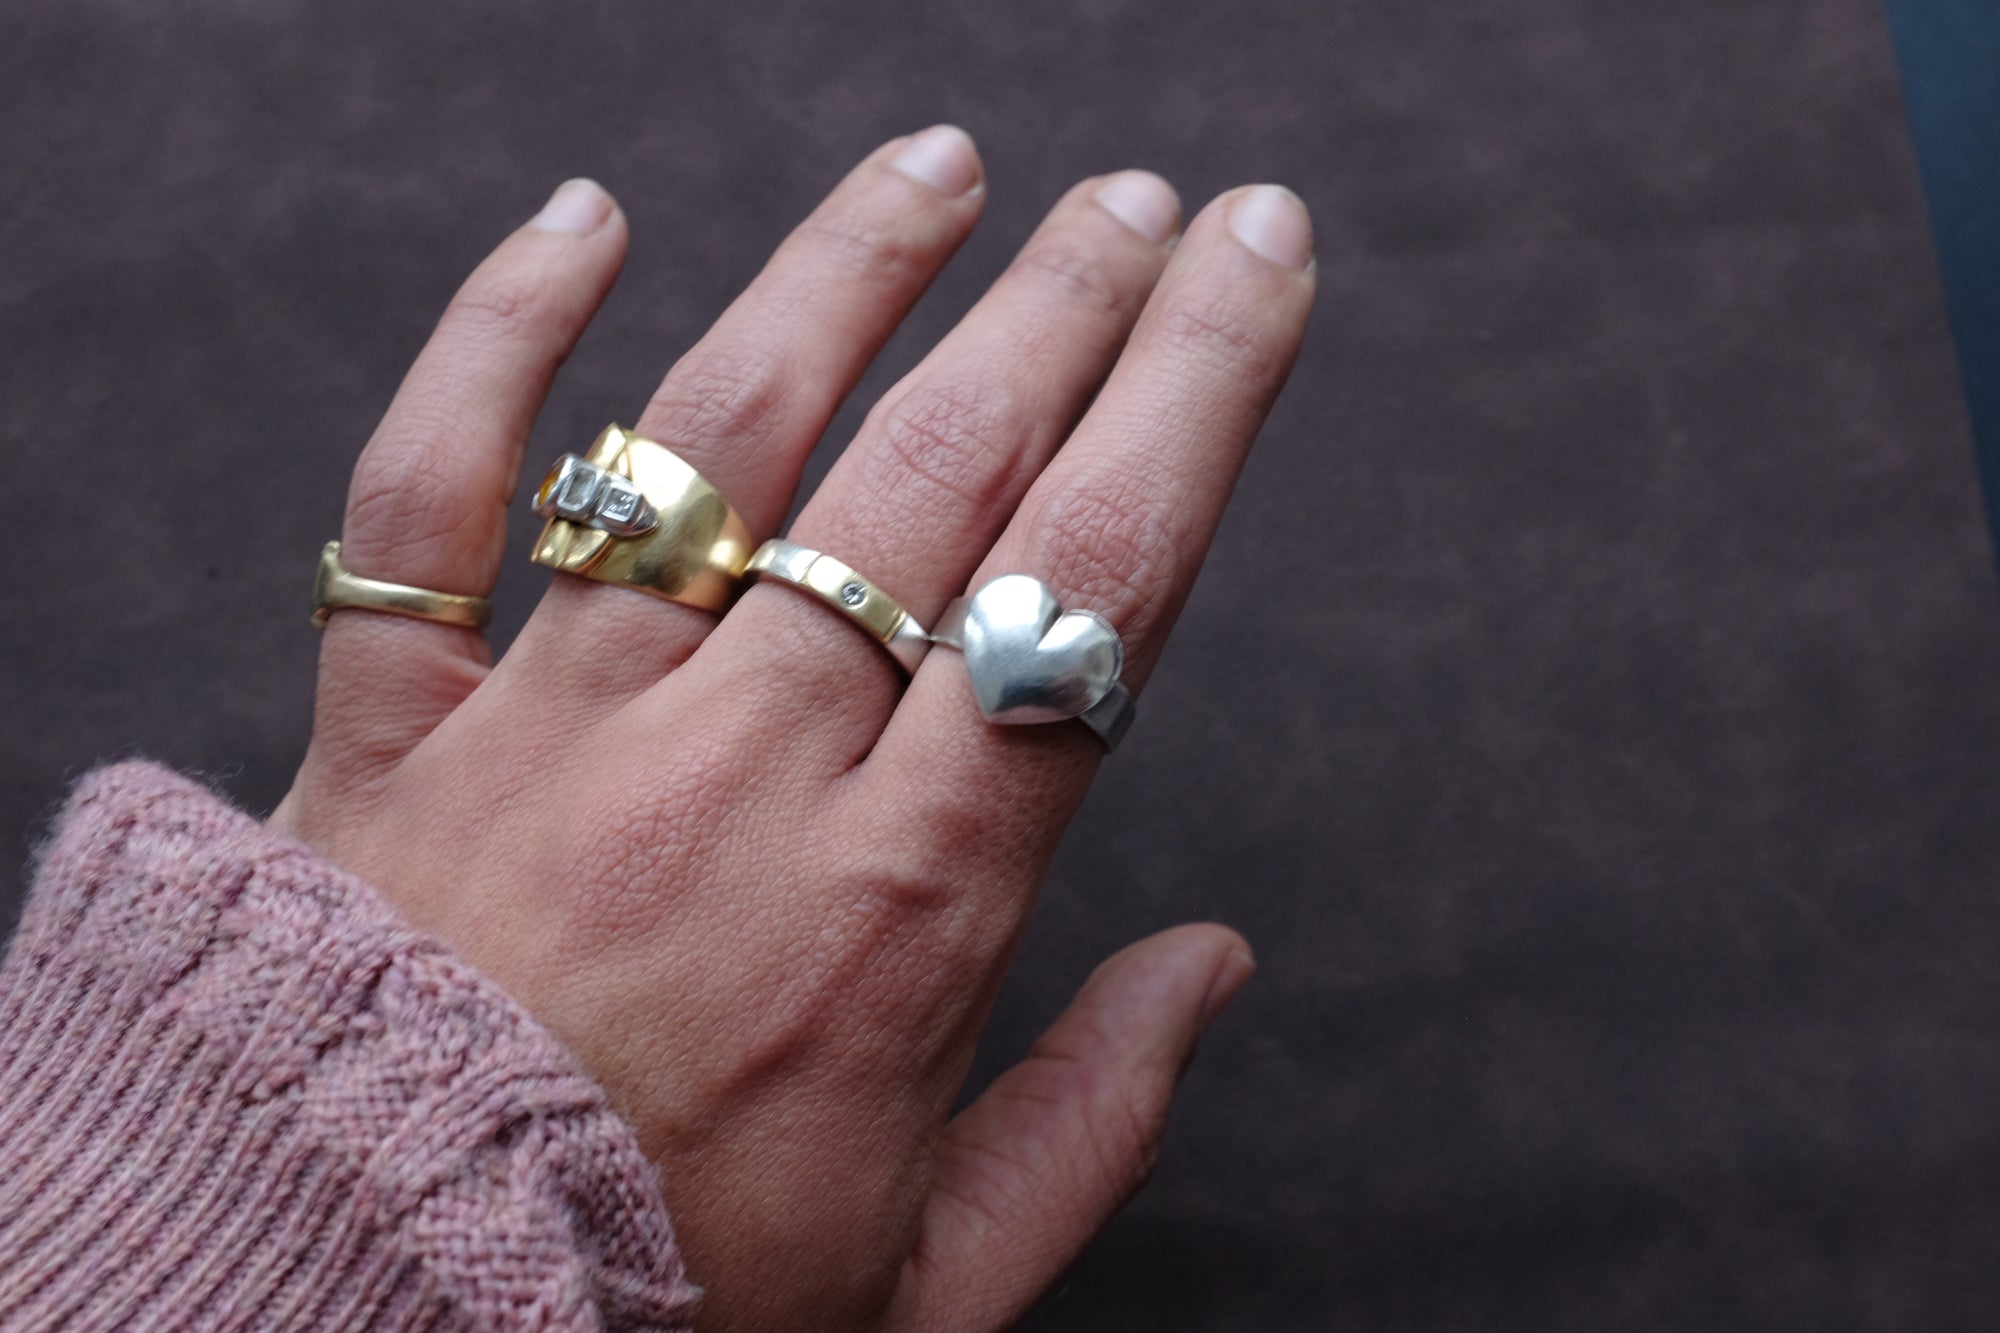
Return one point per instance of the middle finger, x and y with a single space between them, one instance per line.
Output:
747 403
932 477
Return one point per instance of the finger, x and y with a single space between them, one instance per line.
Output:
428 501
917 498
746 405
1120 521
1030 1172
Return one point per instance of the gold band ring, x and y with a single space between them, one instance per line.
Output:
848 593
335 589
676 538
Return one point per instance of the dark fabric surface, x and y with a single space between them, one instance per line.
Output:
1589 710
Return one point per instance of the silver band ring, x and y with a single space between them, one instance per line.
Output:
848 593
1032 661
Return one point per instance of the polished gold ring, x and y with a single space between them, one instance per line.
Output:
676 538
335 589
848 593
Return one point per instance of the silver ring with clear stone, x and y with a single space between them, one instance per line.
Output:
848 593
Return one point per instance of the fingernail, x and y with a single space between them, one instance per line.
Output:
579 206
1143 202
1271 221
1236 969
943 158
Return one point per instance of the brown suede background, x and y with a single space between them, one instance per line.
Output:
1590 708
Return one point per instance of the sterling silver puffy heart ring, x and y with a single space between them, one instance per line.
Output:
1032 661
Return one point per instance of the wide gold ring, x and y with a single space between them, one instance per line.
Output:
334 589
686 545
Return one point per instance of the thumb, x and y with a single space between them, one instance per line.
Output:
1030 1172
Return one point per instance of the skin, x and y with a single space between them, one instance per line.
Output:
760 884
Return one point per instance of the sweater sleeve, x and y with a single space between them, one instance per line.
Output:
237 1092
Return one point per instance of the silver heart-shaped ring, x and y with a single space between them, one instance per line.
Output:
1032 661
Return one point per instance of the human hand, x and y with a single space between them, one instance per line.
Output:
763 887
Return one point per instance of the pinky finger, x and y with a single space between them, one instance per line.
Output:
1036 1167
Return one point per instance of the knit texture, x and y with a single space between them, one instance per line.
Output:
236 1092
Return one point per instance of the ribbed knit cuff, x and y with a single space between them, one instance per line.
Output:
237 1092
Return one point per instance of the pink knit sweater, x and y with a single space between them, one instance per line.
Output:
237 1093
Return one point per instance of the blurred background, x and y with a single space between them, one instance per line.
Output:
1589 711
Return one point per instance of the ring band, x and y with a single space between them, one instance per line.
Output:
680 541
848 593
335 589
1030 660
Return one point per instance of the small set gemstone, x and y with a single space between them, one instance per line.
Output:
582 492
853 594
576 492
621 502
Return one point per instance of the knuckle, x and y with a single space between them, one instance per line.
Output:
499 306
1122 1113
863 247
1127 1136
729 392
915 878
1111 548
913 895
406 497
1078 274
953 439
901 891
1216 330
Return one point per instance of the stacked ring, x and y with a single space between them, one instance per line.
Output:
848 593
635 513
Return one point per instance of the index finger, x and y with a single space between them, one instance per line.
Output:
1120 522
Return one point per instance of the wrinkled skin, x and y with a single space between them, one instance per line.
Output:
762 885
